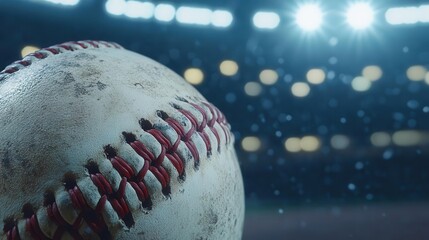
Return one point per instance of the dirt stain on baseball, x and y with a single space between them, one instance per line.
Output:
68 78
101 86
86 56
5 160
80 89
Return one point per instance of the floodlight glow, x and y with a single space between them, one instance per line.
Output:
136 9
116 7
424 13
309 17
193 15
165 12
64 2
407 15
268 20
221 18
360 15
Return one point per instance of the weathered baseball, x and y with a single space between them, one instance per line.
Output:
97 142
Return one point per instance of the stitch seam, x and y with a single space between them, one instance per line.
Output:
112 197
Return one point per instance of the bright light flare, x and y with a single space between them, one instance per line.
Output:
407 15
309 17
64 2
116 7
222 18
165 12
136 9
267 20
203 16
360 15
193 15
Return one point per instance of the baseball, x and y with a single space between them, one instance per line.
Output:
98 142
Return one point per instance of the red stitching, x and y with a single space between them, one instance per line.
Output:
96 224
13 234
93 217
153 163
128 176
32 225
41 54
10 70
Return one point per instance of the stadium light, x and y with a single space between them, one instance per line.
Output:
64 2
193 15
203 16
222 18
407 15
164 12
360 15
424 13
136 9
267 20
167 13
116 7
309 17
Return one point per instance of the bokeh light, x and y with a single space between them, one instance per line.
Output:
316 76
268 76
253 89
28 49
228 67
136 9
380 139
340 142
407 15
222 18
293 144
361 84
164 12
416 73
194 76
310 143
193 15
251 144
406 138
372 72
267 20
300 89
116 7
427 78
64 2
